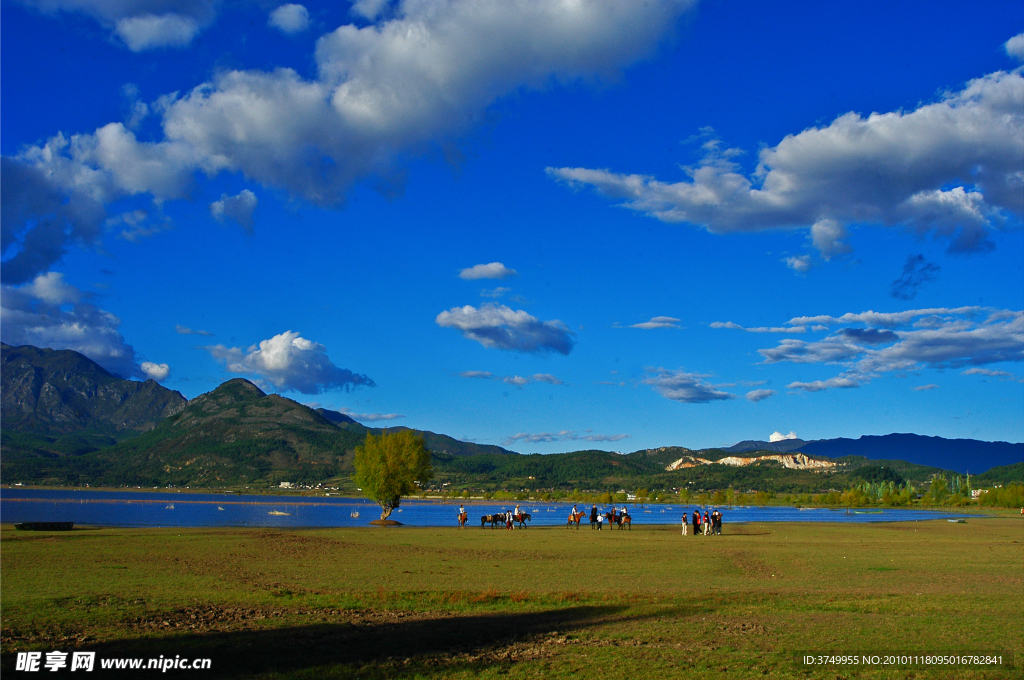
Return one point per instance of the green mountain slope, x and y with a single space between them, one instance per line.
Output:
57 403
235 434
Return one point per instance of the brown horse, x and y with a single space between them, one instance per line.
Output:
463 518
619 520
574 518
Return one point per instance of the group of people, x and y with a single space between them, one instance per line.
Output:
615 516
509 517
708 525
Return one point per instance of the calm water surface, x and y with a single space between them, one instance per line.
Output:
170 509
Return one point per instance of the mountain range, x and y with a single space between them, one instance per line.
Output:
960 455
66 420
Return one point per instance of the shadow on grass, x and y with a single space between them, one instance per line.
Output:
424 647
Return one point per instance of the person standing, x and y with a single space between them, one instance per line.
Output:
696 522
706 524
593 516
684 522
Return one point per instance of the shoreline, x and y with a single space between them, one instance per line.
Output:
306 498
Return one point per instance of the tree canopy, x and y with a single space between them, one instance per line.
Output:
391 466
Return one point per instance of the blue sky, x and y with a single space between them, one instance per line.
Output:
548 226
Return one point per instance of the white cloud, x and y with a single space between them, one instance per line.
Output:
51 313
1015 47
830 350
495 292
841 381
158 372
517 380
759 329
185 330
925 388
801 264
779 437
371 417
142 24
827 235
760 395
149 31
658 322
135 225
892 169
886 319
494 270
290 363
563 436
290 19
419 78
369 9
484 375
138 110
51 289
38 220
238 208
55 194
988 372
497 326
922 338
688 388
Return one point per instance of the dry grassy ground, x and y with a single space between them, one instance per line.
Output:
551 602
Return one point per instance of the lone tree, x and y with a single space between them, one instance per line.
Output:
391 466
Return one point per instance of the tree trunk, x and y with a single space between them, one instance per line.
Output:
385 511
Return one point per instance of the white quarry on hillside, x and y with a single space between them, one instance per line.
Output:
794 461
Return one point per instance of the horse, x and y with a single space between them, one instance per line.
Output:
575 517
619 520
463 518
521 517
492 519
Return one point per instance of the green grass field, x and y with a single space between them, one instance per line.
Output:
541 602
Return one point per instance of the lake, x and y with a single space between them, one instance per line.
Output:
180 509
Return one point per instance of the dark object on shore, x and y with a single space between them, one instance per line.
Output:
385 523
44 526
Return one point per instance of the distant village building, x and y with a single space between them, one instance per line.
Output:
286 485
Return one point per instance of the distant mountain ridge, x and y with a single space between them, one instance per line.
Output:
58 392
67 420
235 434
56 403
959 455
781 446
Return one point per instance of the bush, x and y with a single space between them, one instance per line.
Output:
1010 496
